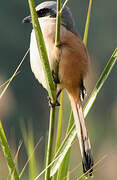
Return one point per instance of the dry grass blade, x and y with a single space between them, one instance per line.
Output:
17 153
48 167
21 173
74 169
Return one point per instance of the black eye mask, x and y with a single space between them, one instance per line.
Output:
46 12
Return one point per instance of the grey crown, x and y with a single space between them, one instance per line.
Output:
66 17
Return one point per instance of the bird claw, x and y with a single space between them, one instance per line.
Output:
53 104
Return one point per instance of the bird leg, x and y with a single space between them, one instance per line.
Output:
56 103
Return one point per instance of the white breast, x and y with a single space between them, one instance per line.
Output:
35 60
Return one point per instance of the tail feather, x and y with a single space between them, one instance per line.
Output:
84 142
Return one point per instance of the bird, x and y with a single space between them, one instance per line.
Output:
73 59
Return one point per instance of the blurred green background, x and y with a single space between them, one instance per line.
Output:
26 100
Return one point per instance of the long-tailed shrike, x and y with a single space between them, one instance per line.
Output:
73 61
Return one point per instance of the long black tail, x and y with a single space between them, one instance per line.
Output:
84 142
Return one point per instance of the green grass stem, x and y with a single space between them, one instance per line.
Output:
50 142
64 4
63 169
59 128
7 154
100 83
58 22
87 23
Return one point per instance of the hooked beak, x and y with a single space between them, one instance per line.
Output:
27 19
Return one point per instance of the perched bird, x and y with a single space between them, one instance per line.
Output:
73 60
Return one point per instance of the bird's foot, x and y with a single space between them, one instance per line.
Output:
53 104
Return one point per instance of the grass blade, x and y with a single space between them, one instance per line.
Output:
32 162
7 81
100 82
7 154
50 142
72 133
87 23
58 22
63 169
49 165
64 4
59 128
14 74
66 144
29 158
